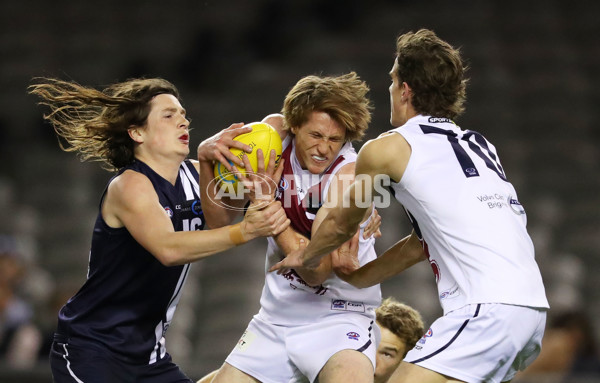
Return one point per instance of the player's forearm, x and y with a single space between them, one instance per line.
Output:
179 248
338 227
404 254
327 238
288 241
316 276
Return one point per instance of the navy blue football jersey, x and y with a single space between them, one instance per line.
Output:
128 301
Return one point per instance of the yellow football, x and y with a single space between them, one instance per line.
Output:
263 136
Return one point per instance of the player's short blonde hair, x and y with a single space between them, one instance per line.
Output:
402 320
343 98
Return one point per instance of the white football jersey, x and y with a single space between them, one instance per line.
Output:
469 217
286 299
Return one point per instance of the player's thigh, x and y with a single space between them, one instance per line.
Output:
261 353
311 346
347 366
408 372
479 342
229 374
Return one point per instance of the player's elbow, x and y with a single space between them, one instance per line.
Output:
360 283
315 276
345 229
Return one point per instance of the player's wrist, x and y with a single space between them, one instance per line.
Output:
238 234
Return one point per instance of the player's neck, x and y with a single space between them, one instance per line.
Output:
410 111
166 168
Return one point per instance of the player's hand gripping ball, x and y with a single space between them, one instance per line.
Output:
263 136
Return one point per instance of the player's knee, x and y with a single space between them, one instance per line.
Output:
347 365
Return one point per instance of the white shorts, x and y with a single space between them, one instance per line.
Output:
282 354
481 342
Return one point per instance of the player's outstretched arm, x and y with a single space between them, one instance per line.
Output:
132 202
404 254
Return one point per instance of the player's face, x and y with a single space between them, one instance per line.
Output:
167 128
389 355
398 111
318 142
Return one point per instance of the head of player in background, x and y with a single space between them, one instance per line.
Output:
401 327
427 78
323 113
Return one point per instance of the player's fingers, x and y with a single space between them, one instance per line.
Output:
373 225
241 177
260 159
283 225
223 161
275 206
247 164
233 131
277 267
278 172
224 151
236 129
233 144
271 165
236 125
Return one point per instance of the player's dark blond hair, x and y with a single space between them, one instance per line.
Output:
343 98
434 71
402 320
95 123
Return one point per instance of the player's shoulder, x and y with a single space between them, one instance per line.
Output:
386 154
277 121
130 184
384 146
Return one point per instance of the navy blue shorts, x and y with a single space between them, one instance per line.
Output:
72 363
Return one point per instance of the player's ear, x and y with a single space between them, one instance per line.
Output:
135 132
294 130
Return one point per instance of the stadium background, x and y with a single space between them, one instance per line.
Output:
533 92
